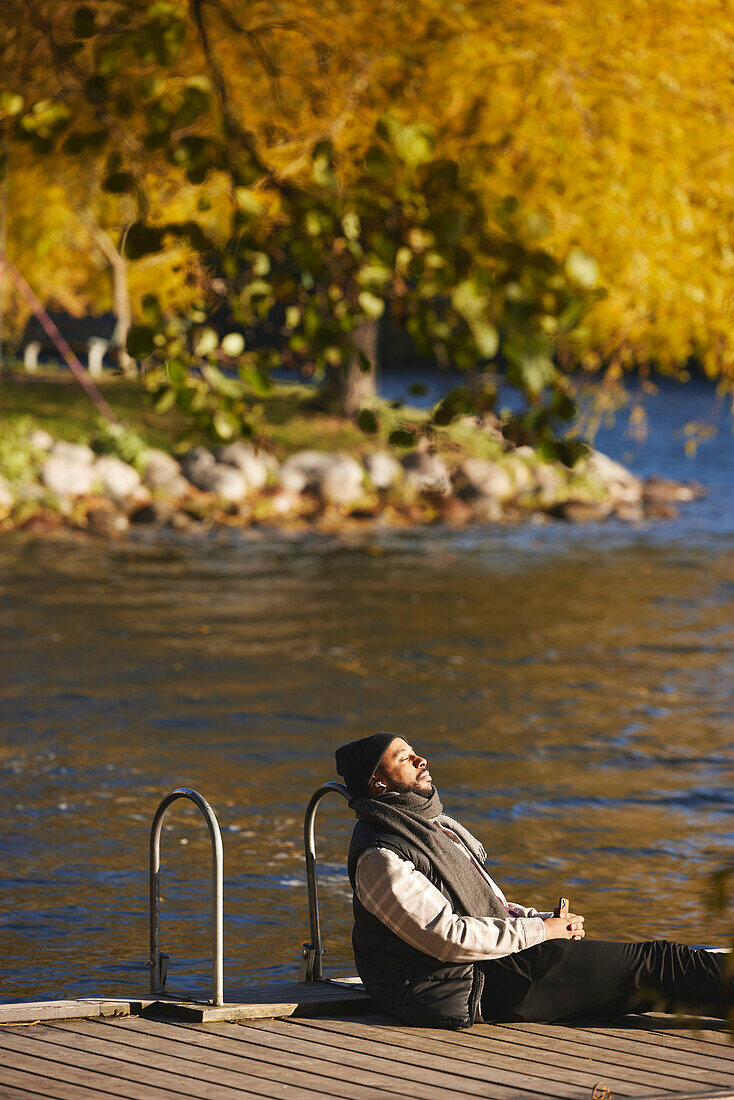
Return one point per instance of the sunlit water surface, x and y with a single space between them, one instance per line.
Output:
571 688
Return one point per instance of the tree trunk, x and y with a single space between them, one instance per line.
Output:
349 389
120 292
122 311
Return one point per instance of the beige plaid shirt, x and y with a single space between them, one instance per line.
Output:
393 890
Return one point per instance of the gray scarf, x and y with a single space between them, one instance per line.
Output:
413 817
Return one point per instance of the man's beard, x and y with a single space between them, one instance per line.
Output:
413 788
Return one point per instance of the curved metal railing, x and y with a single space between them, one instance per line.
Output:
159 963
312 969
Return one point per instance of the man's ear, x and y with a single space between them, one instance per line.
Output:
377 785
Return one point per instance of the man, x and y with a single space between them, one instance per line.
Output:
436 942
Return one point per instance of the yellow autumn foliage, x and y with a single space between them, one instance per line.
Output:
608 119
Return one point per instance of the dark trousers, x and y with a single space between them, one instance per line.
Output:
565 977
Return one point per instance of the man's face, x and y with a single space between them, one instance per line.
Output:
402 770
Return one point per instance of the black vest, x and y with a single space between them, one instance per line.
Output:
414 987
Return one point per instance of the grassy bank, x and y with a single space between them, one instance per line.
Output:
287 419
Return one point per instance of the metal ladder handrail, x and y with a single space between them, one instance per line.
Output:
159 963
312 969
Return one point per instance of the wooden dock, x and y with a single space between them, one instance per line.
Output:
360 1056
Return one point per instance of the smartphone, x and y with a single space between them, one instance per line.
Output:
562 910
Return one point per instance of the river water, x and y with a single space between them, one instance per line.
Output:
570 686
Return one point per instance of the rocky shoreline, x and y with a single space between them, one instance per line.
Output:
68 485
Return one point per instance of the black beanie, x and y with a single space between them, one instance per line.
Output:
357 761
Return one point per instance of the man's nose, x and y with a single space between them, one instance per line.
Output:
419 762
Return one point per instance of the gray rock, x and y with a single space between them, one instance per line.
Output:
195 463
7 500
335 476
427 473
255 465
581 511
41 440
480 477
341 484
226 481
630 513
101 521
304 470
549 481
487 509
73 452
383 469
620 483
663 490
118 478
520 471
68 476
160 468
154 512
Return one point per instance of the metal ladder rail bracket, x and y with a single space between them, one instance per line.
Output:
159 963
312 969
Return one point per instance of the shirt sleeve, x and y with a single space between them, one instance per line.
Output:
522 911
398 894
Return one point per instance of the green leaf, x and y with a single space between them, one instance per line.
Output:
222 383
372 306
225 423
373 273
570 451
118 183
140 341
368 422
582 268
414 143
486 338
571 314
150 308
83 23
537 226
401 437
194 102
165 401
449 226
563 406
256 378
11 103
206 341
142 240
247 201
177 371
457 402
376 162
233 344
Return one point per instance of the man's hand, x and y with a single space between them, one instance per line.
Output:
570 927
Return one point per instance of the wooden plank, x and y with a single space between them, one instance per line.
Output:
18 1082
465 1075
670 1047
242 1076
262 1001
78 1065
621 1051
540 1051
706 1028
59 1072
530 1065
270 1001
662 1042
84 1008
326 1075
487 1039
